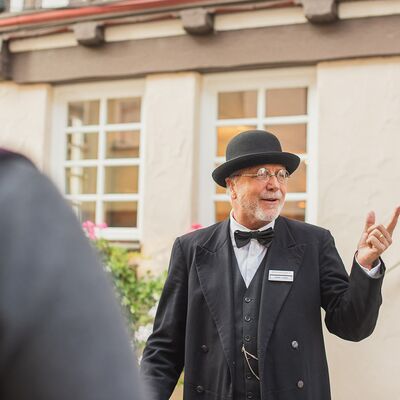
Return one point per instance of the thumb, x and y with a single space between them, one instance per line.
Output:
369 221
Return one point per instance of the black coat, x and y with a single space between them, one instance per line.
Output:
194 322
62 335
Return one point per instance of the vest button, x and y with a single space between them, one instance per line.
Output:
300 384
199 389
249 376
247 299
247 338
204 348
249 395
295 344
247 318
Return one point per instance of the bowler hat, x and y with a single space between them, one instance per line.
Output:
251 148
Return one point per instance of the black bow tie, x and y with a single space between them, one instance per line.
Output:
263 237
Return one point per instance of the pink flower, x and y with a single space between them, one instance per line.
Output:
194 227
91 228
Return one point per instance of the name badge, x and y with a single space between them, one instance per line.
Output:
280 276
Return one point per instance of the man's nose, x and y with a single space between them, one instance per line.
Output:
273 183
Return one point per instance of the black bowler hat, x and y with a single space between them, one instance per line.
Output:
251 148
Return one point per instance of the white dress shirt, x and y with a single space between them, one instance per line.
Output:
249 257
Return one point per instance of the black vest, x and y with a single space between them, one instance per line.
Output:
246 312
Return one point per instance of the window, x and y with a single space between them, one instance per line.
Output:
20 5
280 102
100 144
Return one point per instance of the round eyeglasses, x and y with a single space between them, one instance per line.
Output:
263 174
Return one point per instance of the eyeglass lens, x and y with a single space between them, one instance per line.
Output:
281 175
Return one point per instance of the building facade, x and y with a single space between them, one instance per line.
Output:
128 106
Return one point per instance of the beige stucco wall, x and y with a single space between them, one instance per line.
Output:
170 120
24 119
359 142
358 170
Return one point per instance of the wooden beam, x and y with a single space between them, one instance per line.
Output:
320 11
89 33
197 21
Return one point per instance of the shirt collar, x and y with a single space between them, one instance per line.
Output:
234 226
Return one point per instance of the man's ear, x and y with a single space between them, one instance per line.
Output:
230 187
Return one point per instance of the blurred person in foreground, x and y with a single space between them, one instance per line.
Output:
62 335
240 310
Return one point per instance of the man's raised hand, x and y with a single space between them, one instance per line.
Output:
375 239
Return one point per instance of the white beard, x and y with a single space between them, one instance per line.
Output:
254 208
267 216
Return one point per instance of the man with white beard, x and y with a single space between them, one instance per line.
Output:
240 310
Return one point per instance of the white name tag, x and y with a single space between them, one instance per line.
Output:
280 276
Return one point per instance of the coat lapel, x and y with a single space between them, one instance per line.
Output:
213 263
285 254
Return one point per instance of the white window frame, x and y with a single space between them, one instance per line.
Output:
95 91
259 81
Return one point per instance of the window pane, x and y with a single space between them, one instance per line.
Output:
295 210
86 211
220 189
222 210
83 113
123 144
293 138
226 133
121 179
122 111
81 180
280 102
82 146
237 105
298 180
120 214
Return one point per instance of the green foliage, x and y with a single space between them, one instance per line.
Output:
138 295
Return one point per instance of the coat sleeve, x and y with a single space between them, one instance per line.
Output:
351 302
163 357
62 332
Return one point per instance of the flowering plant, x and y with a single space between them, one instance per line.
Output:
195 227
91 229
138 294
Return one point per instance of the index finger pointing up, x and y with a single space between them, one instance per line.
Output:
393 222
